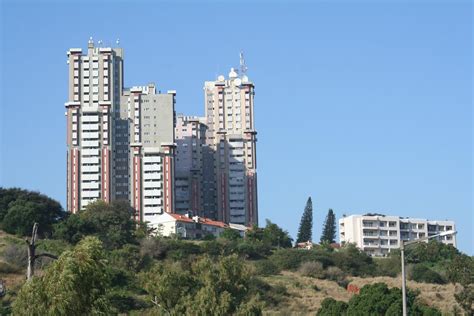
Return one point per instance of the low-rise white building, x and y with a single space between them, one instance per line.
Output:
168 224
377 234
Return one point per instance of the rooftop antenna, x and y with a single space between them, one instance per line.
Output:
243 66
100 42
117 42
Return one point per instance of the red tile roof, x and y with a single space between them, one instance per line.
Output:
182 218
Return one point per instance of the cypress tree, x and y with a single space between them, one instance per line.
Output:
305 232
329 228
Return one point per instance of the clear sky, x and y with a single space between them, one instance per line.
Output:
366 106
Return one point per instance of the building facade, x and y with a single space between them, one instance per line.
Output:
190 142
192 227
120 142
377 235
231 153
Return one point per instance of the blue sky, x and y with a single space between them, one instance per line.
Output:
362 105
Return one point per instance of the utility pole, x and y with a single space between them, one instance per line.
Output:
402 255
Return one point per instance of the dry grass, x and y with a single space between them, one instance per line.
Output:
304 299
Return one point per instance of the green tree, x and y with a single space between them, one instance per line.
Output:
305 231
276 236
329 228
20 209
206 287
112 223
75 284
73 228
230 234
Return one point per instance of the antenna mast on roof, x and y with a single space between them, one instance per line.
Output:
243 66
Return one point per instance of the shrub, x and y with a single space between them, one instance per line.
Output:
266 267
312 269
422 273
335 274
390 266
331 307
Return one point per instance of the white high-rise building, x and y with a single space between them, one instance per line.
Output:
120 142
378 234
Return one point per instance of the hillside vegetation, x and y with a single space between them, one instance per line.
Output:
109 265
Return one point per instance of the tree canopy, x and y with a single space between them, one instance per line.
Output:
75 284
329 228
305 231
20 209
111 223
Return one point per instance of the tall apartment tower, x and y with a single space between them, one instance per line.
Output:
190 142
120 142
231 137
95 85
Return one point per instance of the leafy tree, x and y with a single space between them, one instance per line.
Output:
206 287
329 229
73 228
20 209
75 284
275 236
112 222
230 234
271 235
305 231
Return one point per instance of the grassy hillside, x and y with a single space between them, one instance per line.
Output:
292 293
305 294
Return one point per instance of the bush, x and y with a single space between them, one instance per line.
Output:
390 266
422 273
313 269
266 267
331 307
335 274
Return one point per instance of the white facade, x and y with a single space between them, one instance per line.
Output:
378 234
169 224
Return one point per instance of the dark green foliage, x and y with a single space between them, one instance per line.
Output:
422 273
275 236
431 252
331 307
305 231
378 299
73 228
20 209
329 229
112 223
353 261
